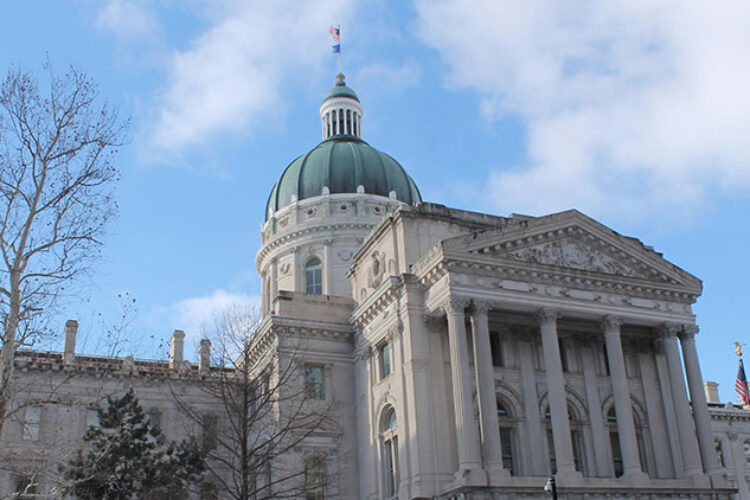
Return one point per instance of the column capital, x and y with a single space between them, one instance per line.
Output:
687 332
454 305
547 315
670 330
481 307
609 323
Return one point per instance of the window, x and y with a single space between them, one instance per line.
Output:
315 478
563 355
154 418
507 437
314 383
384 358
314 277
496 349
576 440
31 418
746 449
719 453
614 443
92 418
209 432
390 453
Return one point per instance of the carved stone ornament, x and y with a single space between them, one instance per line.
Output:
480 307
574 254
610 323
687 332
284 268
670 329
454 305
345 255
547 315
377 269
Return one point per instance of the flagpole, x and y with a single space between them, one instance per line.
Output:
339 28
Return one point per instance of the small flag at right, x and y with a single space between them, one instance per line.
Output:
741 385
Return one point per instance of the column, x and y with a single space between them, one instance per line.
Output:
698 398
603 464
535 458
485 375
688 444
621 392
556 392
467 437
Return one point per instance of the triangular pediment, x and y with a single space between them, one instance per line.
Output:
572 252
571 241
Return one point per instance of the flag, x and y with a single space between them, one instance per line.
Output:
337 48
335 33
741 385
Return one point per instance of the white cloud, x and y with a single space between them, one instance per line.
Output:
197 313
385 76
628 106
128 19
232 77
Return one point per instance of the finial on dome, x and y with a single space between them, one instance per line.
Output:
340 80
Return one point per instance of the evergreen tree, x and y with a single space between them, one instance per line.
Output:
126 457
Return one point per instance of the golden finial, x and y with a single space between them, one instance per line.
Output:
738 349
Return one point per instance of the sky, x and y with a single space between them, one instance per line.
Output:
636 113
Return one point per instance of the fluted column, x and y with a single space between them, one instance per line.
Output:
688 444
623 409
485 374
698 398
556 392
467 435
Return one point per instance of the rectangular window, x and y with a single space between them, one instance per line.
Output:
209 432
496 349
92 418
563 355
31 418
314 384
384 356
614 443
719 453
154 418
506 448
552 456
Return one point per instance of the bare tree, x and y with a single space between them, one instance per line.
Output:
262 411
56 180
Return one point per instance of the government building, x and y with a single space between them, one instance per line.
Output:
463 355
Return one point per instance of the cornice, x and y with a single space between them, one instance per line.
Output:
294 234
573 279
376 302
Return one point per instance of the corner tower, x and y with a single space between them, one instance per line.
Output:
325 203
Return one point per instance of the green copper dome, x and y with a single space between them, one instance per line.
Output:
341 91
342 163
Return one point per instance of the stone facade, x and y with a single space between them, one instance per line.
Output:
460 354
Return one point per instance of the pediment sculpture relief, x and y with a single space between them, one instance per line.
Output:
570 253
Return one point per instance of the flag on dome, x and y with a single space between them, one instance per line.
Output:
335 33
741 385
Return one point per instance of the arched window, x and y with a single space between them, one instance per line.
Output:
314 276
614 442
576 439
507 436
390 453
315 478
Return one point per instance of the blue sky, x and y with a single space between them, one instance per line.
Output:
636 113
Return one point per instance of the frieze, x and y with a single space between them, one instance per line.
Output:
571 253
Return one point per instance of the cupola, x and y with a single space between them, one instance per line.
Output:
341 111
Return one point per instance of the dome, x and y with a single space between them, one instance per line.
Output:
341 91
342 163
